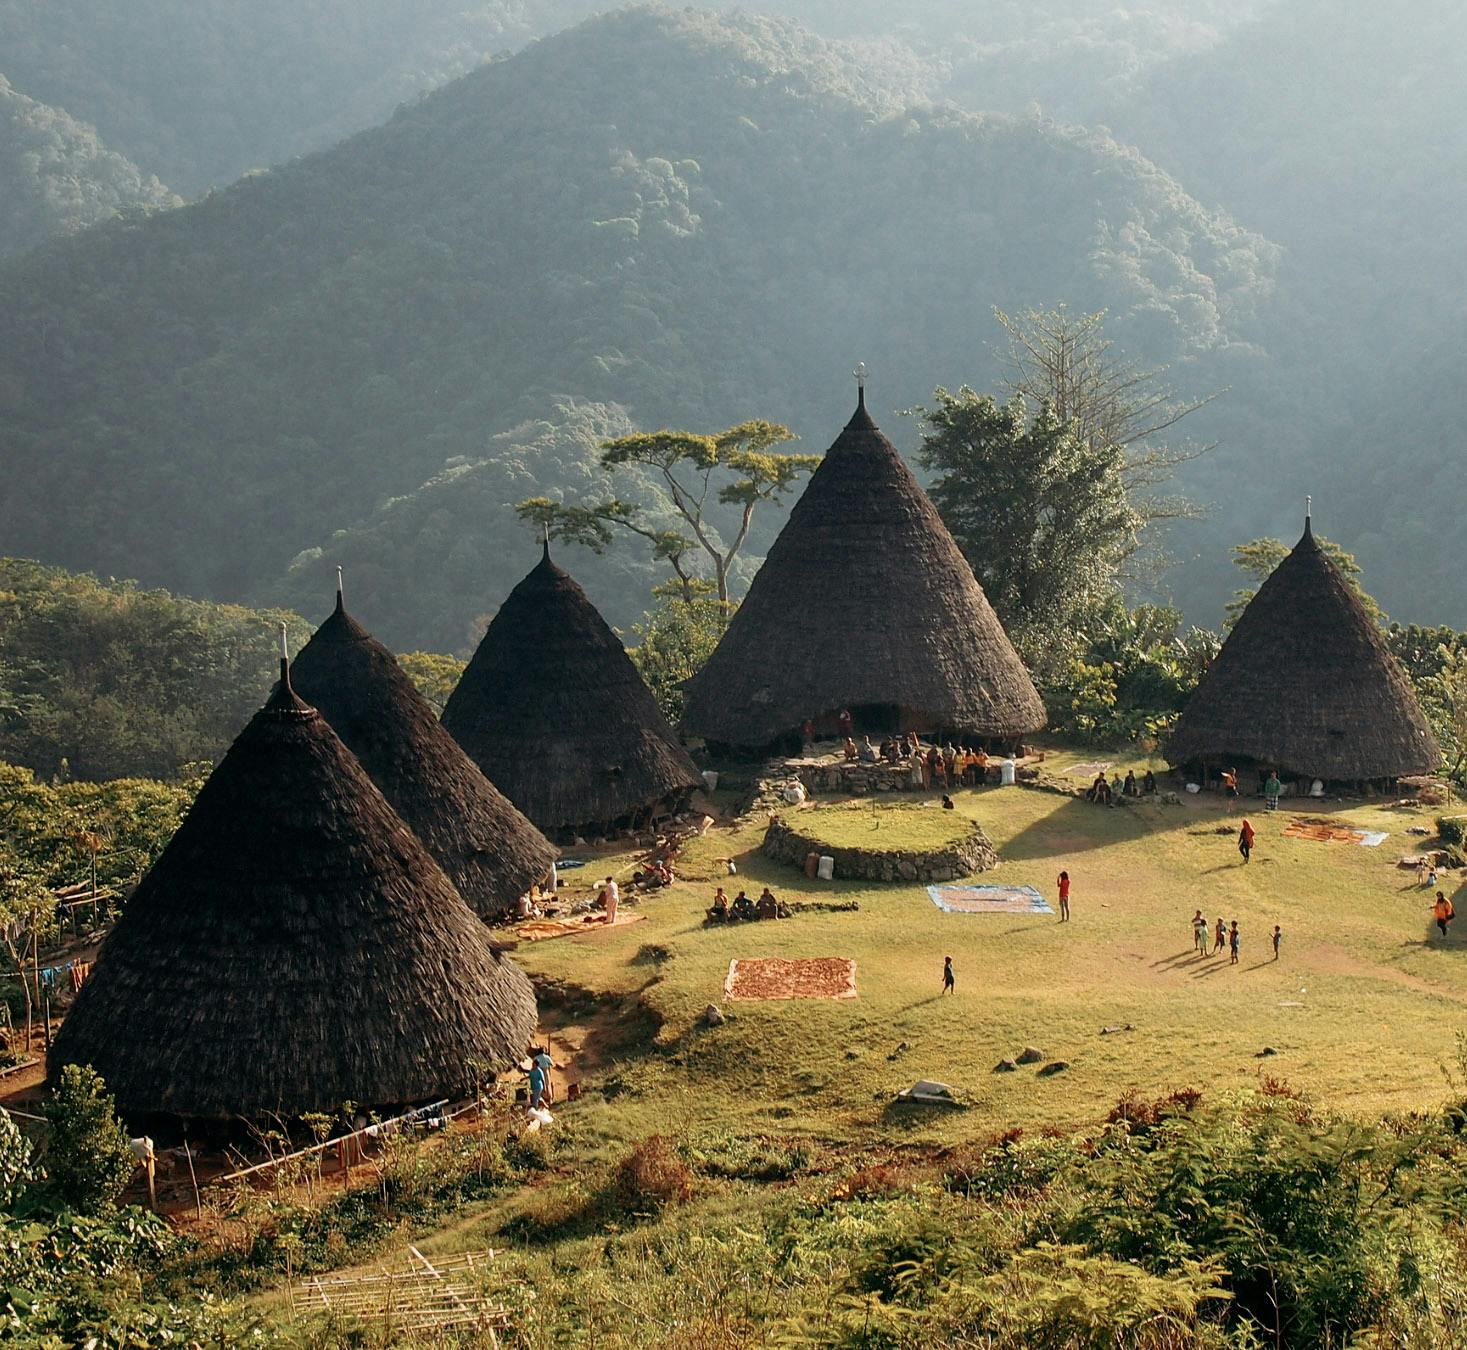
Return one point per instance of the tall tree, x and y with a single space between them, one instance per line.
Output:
1043 515
735 468
1105 399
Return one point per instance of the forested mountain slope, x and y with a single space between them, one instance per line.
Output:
698 219
56 175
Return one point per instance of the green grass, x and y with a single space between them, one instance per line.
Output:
879 824
1363 1008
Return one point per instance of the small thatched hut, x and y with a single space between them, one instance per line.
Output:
490 852
864 603
553 711
1306 685
295 947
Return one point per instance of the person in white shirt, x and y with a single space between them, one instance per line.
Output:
610 898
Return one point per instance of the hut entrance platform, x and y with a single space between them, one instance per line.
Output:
833 775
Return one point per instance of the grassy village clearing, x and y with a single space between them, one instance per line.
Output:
1362 1010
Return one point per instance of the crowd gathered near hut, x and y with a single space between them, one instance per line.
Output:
344 952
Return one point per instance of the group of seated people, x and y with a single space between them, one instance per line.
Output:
741 909
945 767
1102 792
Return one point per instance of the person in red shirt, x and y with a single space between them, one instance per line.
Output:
1063 882
1245 841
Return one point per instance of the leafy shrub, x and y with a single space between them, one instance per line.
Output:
651 1178
1013 1165
87 1154
16 1173
1452 831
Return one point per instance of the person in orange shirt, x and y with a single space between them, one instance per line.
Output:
1442 912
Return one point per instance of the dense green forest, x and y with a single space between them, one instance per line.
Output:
100 679
698 219
59 177
691 220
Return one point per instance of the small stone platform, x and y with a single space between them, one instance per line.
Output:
964 857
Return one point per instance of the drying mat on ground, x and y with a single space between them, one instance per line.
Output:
1090 768
774 977
1333 834
539 930
989 899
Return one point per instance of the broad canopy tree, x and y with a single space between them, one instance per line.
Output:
737 468
1042 515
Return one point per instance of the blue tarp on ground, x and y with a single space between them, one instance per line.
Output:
957 899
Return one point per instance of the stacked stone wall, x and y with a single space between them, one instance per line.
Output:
970 854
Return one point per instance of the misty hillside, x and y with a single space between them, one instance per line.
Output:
56 175
201 91
697 219
198 93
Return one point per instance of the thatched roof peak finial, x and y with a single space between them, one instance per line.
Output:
285 702
340 593
860 374
546 555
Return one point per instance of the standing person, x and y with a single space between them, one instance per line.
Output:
610 898
950 764
846 725
1271 790
1063 882
807 734
1199 933
537 1083
1442 912
1219 936
1278 937
948 987
1233 941
1230 782
934 767
1245 841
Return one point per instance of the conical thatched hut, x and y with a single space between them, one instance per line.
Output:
553 711
490 852
1306 685
864 603
295 947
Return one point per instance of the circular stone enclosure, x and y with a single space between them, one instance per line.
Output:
966 853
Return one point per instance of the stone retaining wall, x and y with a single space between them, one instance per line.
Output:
961 858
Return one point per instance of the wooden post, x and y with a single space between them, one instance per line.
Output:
149 1168
193 1177
47 1014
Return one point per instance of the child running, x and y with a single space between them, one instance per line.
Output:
948 986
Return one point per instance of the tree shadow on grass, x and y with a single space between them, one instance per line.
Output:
1096 826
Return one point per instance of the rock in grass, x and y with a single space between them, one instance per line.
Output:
713 1016
1116 1031
1005 1066
1054 1067
1265 1052
1031 1055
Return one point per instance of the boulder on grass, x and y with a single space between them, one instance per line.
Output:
1030 1055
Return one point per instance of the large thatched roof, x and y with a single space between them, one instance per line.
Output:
555 713
1306 684
863 600
491 853
295 947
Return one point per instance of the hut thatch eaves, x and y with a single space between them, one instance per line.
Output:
864 601
553 711
1306 684
295 947
490 852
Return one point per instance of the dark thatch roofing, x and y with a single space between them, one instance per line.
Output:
863 599
295 947
491 853
555 713
1306 684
